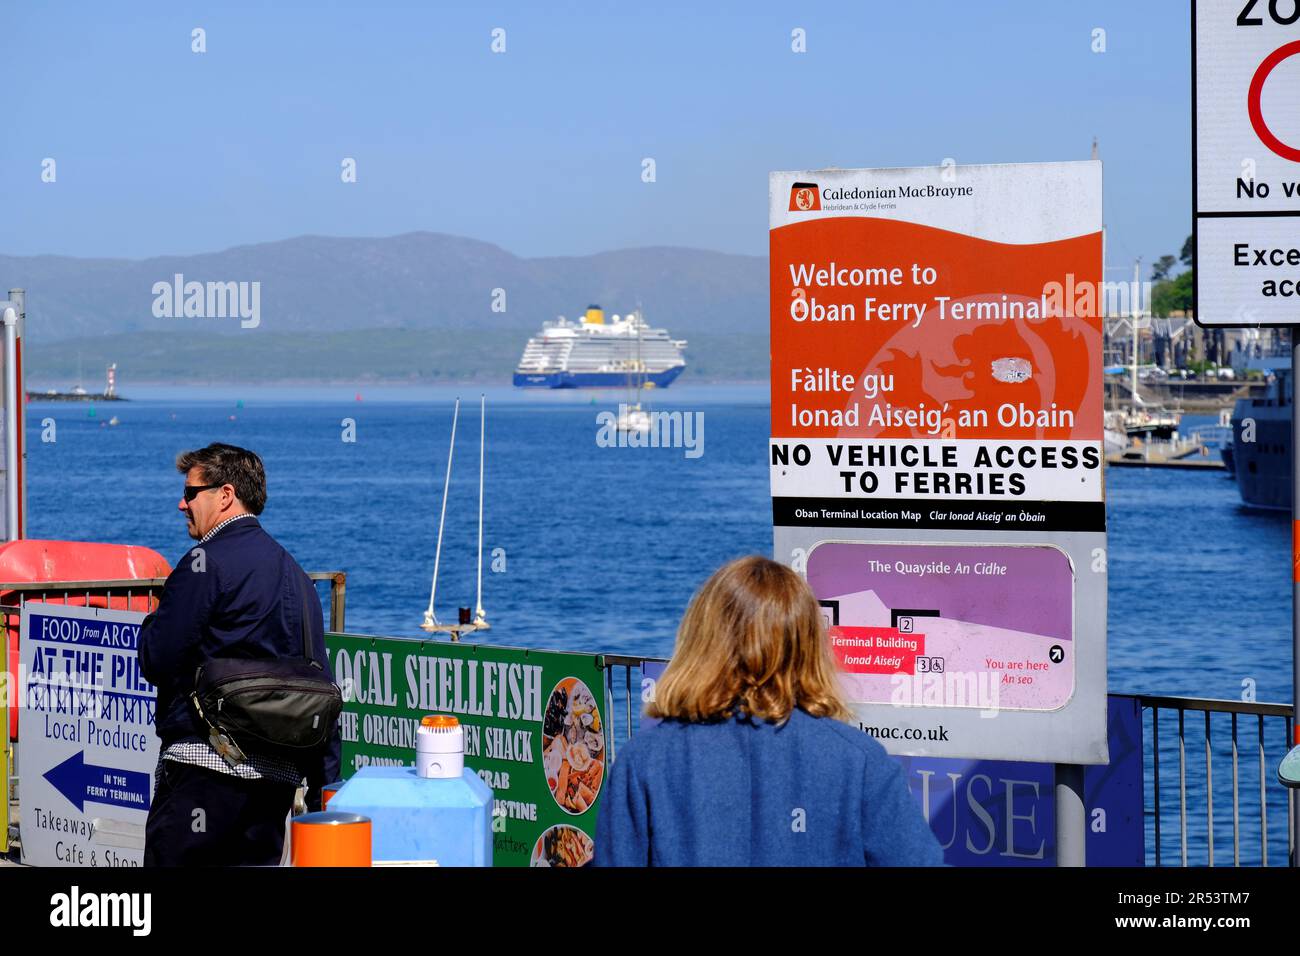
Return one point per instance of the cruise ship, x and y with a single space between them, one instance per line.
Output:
592 353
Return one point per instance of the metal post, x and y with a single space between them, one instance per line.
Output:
482 444
1295 562
12 420
1071 818
338 598
1137 311
19 298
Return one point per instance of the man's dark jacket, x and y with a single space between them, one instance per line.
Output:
238 595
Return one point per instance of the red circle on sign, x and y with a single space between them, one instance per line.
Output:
1252 101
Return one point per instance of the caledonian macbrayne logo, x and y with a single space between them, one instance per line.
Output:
805 197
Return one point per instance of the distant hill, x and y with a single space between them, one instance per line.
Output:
420 280
322 299
426 356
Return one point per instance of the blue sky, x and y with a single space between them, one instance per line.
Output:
160 150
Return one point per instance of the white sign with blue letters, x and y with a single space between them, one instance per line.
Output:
86 742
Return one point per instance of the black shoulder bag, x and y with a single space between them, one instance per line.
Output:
283 707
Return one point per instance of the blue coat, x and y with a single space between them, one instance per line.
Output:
243 598
813 792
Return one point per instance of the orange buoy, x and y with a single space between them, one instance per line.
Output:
330 838
328 791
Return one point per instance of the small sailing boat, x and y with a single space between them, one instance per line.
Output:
631 416
77 389
465 623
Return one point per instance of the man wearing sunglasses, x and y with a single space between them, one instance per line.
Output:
237 594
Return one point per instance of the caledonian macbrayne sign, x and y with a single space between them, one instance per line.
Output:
936 454
534 731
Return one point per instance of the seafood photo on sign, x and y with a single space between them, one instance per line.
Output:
573 746
562 845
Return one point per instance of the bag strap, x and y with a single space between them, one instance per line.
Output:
307 595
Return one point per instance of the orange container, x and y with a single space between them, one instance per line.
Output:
327 793
329 838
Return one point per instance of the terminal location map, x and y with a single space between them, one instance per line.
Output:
964 626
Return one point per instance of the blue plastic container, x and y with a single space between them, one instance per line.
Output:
417 819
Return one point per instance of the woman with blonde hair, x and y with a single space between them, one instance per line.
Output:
751 763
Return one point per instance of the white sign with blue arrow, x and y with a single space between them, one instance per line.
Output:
86 743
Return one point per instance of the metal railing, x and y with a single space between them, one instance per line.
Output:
1183 448
1214 436
134 594
621 689
1236 733
1194 748
139 594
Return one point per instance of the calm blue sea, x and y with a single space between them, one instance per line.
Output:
599 549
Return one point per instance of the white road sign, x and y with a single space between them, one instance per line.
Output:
1246 171
86 742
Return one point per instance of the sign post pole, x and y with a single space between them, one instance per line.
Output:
11 315
1295 587
19 298
1071 817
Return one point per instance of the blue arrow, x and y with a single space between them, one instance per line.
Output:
84 783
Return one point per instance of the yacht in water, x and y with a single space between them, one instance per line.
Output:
593 353
1134 421
1260 454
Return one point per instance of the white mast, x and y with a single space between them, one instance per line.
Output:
429 617
1137 312
480 618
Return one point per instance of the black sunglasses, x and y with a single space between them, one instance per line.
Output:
192 491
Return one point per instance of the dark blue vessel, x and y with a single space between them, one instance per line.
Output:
1261 439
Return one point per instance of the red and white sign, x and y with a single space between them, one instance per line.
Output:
1246 175
875 650
937 447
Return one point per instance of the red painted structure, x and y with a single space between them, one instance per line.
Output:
32 561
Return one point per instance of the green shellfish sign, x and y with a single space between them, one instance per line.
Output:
535 731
